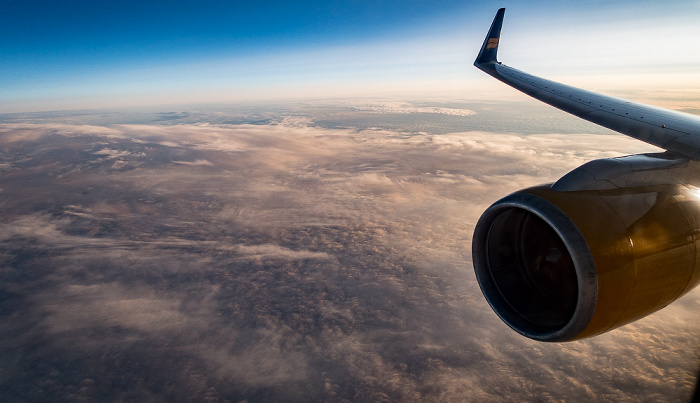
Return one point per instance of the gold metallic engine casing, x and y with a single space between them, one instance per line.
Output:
565 265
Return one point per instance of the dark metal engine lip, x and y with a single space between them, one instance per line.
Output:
577 247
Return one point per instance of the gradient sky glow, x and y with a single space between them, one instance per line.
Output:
82 54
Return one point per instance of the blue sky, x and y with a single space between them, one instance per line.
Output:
79 54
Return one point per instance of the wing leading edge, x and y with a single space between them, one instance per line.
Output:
673 131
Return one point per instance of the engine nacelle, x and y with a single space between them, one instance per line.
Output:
565 265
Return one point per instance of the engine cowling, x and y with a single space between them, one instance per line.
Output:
565 265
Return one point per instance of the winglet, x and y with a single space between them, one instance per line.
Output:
489 49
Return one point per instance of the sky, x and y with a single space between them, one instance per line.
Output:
83 54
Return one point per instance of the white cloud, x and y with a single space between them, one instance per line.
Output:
406 108
331 262
269 251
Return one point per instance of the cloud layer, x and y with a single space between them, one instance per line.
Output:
288 262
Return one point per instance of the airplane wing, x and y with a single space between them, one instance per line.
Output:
673 131
610 242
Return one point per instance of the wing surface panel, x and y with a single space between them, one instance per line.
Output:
673 131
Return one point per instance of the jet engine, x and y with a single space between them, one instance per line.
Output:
611 242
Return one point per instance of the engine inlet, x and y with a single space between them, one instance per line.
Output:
530 259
